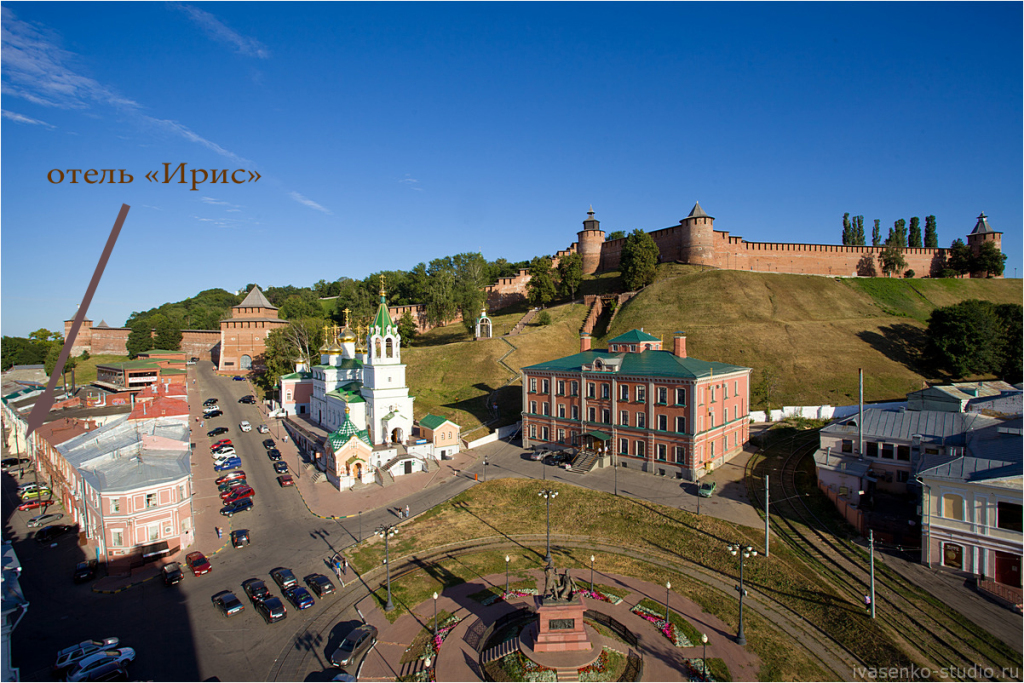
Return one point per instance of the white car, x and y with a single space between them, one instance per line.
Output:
263 429
224 453
245 426
43 520
84 668
75 653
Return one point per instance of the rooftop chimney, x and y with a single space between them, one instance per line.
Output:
679 345
584 342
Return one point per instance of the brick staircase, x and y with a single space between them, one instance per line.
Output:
498 651
410 669
584 462
567 675
524 321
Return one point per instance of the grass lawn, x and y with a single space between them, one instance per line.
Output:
719 669
85 371
687 629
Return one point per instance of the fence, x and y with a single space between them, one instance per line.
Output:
479 640
622 631
503 432
825 412
848 510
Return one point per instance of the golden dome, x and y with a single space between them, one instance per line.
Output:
347 335
335 348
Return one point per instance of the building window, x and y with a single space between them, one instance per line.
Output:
641 394
903 476
903 453
561 387
662 451
151 500
154 533
544 434
623 392
663 422
561 436
575 388
624 418
606 416
847 445
632 348
561 410
713 394
663 395
638 449
181 492
624 446
115 504
641 420
546 407
725 391
533 385
953 555
680 397
736 388
591 390
680 424
606 390
533 407
679 455
575 412
952 506
545 386
871 449
1008 516
533 431
591 415
887 451
712 449
116 539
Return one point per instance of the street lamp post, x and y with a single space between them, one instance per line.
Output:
547 495
435 616
615 461
591 573
507 558
360 526
485 468
704 657
386 531
744 552
668 592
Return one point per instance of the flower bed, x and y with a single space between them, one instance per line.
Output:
598 595
520 668
443 629
667 628
514 593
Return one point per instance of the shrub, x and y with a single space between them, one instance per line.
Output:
544 318
909 274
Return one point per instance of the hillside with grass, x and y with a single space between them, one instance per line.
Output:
813 332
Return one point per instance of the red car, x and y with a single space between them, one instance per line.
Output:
237 494
33 504
286 480
230 476
222 442
198 563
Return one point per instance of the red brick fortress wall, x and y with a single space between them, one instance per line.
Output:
114 340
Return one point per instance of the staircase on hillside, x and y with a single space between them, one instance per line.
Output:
584 461
501 650
524 321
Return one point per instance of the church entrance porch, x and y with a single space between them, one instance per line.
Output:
397 436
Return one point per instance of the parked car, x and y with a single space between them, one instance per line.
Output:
232 485
85 571
272 609
263 429
210 402
172 573
88 666
35 503
319 584
223 452
243 505
230 476
31 486
11 463
256 590
50 533
217 431
198 563
111 670
356 643
212 414
299 597
557 458
43 520
229 464
268 443
284 577
285 480
281 467
222 442
228 603
250 399
245 426
240 538
210 408
75 653
238 494
274 454
238 378
706 488
34 494
221 459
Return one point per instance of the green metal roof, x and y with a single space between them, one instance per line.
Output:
633 337
298 375
349 393
382 321
344 364
152 351
433 421
139 363
602 436
343 434
648 364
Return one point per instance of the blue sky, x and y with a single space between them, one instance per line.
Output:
389 134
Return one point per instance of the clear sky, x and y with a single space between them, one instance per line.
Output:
389 134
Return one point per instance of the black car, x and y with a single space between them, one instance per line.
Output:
9 463
280 467
217 431
85 571
240 538
243 505
49 533
172 573
268 443
251 400
228 603
271 609
359 641
256 590
557 458
274 454
319 584
212 414
284 577
210 402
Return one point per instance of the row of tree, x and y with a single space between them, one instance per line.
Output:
42 347
977 338
899 235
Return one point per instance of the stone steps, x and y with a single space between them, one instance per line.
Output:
584 462
412 668
567 675
497 652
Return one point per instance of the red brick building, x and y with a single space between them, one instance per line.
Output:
650 409
243 336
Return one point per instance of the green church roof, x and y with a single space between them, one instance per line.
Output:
349 393
433 421
648 364
633 337
298 375
343 434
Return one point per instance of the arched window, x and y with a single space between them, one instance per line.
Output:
952 506
390 347
246 362
376 348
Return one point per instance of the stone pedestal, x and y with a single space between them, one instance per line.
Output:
560 627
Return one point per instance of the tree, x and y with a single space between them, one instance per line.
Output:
847 230
541 287
767 387
168 336
892 260
304 304
858 231
876 234
914 237
140 338
909 274
989 260
639 260
440 294
407 328
976 337
931 236
570 273
616 235
898 234
960 257
52 356
544 318
470 280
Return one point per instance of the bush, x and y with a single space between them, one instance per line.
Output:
909 274
544 318
85 355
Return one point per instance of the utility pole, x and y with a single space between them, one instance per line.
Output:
871 544
766 520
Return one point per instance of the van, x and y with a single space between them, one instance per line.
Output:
245 426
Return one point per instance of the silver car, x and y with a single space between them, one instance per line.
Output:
85 668
356 643
43 520
75 653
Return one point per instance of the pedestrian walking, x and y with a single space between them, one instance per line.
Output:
202 425
344 566
407 512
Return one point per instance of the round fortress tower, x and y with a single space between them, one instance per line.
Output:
695 243
591 237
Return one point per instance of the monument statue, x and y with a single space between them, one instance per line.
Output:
550 582
555 589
